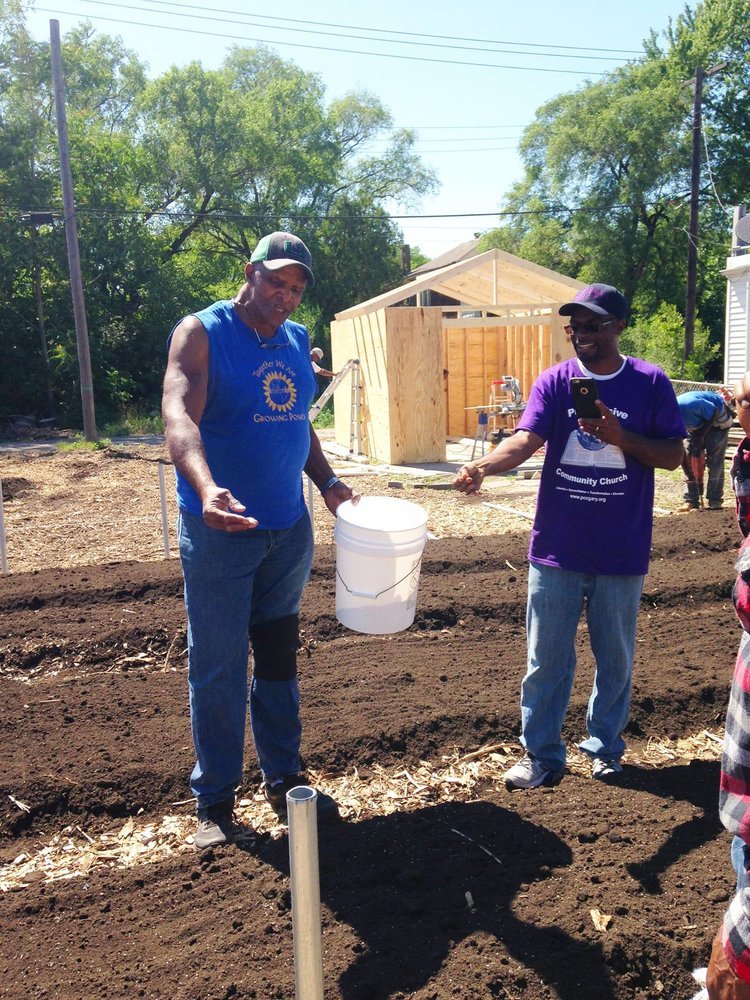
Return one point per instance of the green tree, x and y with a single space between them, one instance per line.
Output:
252 147
607 167
175 181
658 338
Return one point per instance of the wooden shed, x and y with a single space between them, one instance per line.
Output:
430 349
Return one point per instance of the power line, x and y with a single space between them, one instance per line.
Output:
426 128
483 149
252 19
438 152
453 138
57 213
721 204
324 48
388 31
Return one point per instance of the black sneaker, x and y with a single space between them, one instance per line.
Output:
215 825
275 796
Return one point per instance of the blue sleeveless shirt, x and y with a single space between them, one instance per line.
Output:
255 427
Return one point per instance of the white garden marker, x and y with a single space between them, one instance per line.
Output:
3 556
301 804
164 522
310 502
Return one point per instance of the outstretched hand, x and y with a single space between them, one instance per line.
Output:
224 512
469 478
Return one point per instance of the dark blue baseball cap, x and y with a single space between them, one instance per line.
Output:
604 300
279 250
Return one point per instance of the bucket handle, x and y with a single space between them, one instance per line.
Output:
374 597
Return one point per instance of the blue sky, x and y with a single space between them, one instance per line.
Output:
468 107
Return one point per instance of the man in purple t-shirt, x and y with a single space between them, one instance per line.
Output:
591 536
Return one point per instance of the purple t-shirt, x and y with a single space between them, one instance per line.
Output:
594 511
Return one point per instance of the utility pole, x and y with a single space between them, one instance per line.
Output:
71 237
695 180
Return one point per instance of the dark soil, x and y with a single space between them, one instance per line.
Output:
88 736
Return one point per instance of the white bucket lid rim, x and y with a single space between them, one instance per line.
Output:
383 514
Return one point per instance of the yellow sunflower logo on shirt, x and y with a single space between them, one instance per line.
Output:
279 391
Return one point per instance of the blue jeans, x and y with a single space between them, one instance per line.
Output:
715 446
234 581
555 603
740 853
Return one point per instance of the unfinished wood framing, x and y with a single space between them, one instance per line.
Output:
401 415
476 352
504 322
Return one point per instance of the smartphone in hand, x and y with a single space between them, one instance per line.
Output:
585 393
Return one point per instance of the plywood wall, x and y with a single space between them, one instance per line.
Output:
478 351
402 413
408 407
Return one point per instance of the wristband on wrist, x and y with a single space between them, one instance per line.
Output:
328 484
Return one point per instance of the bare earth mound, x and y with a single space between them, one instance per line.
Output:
445 886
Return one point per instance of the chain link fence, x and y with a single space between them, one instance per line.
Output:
680 385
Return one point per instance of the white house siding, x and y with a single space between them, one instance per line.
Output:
737 333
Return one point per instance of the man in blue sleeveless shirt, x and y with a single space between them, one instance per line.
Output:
237 391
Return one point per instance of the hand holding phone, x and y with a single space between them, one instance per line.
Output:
585 394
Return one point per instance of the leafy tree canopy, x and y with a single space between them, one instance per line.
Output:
606 185
176 179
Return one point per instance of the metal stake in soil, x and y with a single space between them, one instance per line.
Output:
301 805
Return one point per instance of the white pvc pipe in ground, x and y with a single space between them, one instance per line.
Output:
164 522
310 502
301 803
3 555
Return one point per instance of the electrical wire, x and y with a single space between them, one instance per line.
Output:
450 138
245 18
325 48
722 206
15 211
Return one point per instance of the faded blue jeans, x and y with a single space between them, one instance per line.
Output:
234 581
715 446
740 854
556 601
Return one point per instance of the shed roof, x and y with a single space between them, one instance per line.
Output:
492 278
461 252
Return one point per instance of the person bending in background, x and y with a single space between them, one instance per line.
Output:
316 356
591 537
729 968
708 419
237 392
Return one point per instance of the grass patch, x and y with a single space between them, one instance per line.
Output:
80 444
325 418
131 423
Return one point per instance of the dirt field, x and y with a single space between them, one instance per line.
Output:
438 883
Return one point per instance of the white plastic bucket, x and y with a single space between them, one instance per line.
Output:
379 545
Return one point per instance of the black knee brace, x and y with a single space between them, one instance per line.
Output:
274 647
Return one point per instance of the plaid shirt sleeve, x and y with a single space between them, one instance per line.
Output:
734 791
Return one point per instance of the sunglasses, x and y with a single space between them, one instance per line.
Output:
262 343
591 328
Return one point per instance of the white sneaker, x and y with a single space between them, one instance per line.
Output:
603 769
530 773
